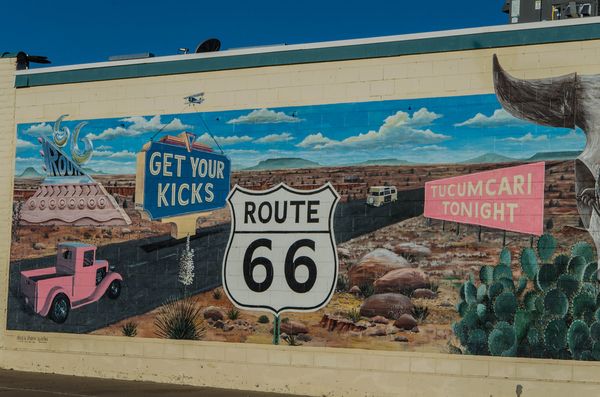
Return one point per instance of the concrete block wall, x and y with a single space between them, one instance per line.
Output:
305 370
410 76
7 153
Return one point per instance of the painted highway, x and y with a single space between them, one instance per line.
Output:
150 266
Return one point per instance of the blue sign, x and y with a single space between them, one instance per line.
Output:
182 179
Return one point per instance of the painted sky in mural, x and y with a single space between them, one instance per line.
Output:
438 130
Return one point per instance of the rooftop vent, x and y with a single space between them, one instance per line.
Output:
210 45
23 60
126 57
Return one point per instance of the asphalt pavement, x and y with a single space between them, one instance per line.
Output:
150 266
29 384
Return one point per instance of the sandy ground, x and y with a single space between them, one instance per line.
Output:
453 257
454 254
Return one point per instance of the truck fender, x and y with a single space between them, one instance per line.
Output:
51 295
104 284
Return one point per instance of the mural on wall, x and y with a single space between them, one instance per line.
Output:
68 194
457 228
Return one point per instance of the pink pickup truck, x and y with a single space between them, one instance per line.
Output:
77 280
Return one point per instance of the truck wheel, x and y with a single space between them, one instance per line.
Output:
59 310
114 289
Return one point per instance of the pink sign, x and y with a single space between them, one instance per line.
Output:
506 198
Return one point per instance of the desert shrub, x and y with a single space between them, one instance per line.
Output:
366 289
263 319
420 313
233 313
180 319
16 219
285 320
343 283
551 311
353 315
291 340
129 329
433 286
217 294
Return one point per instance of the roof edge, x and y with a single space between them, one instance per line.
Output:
409 44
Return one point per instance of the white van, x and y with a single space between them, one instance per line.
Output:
380 195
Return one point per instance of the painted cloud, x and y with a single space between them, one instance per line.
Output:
397 130
529 137
223 140
265 116
140 125
272 138
429 148
41 129
23 144
123 154
500 117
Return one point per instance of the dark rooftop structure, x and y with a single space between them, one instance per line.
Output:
520 11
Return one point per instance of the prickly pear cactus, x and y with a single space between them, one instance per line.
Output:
546 246
552 310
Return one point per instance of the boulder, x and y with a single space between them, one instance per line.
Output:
386 305
423 293
380 320
401 338
294 328
39 246
412 250
374 265
343 252
219 324
304 337
376 331
214 313
355 290
405 322
404 281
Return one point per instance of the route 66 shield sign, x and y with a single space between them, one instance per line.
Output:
281 254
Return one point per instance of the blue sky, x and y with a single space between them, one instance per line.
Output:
425 130
71 32
429 130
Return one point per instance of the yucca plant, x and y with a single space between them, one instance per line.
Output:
343 283
217 294
233 313
366 290
180 319
292 340
129 329
353 315
420 313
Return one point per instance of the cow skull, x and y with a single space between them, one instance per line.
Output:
566 101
